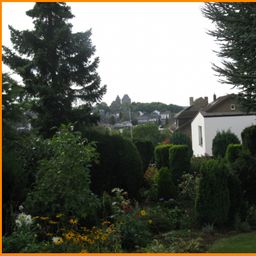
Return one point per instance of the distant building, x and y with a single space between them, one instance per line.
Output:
184 118
126 100
224 113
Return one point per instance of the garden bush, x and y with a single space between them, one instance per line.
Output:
212 195
146 151
245 168
196 163
119 164
162 155
179 138
249 139
147 131
233 152
165 184
221 142
179 161
164 219
20 159
235 195
63 181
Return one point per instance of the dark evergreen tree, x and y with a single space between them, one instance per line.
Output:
57 67
236 33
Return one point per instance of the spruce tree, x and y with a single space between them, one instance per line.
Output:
57 67
236 34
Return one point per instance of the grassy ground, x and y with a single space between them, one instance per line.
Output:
237 243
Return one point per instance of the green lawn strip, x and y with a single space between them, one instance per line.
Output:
237 243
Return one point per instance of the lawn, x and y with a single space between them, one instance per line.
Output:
237 243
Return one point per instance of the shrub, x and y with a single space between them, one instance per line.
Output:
24 234
179 161
163 219
245 168
249 139
221 142
212 195
146 151
233 151
63 181
179 138
119 164
147 132
235 194
166 187
196 163
162 155
134 230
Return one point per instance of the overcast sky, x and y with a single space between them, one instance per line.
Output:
150 51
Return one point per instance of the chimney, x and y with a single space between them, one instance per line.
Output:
191 101
206 100
214 97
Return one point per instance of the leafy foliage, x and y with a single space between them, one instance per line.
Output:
58 188
166 186
150 107
212 195
148 132
179 138
162 155
245 168
146 150
249 139
235 32
233 152
221 142
179 161
51 60
119 164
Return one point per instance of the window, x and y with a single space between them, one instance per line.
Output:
200 135
232 106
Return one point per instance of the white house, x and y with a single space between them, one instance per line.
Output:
205 126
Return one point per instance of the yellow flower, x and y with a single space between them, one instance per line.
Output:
69 235
73 221
57 240
150 221
90 241
142 212
53 222
84 238
104 238
76 240
106 222
59 215
44 218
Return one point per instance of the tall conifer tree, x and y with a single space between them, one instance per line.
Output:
236 33
57 67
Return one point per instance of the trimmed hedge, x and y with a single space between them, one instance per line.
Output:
221 142
179 138
146 151
245 168
162 155
212 194
233 152
166 187
119 164
249 139
179 161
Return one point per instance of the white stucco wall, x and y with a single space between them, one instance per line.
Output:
198 150
211 125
